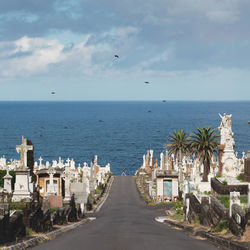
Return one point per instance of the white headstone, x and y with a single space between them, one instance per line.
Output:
234 199
7 182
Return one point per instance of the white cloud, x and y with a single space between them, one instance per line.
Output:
29 56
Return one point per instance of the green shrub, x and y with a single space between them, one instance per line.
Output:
222 225
178 207
207 192
224 182
52 210
240 177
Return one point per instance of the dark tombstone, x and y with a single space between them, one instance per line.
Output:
246 176
16 226
72 217
4 223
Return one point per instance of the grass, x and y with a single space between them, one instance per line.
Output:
177 217
98 191
17 205
225 200
29 231
223 225
197 221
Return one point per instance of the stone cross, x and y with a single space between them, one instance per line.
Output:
40 161
68 161
23 150
51 187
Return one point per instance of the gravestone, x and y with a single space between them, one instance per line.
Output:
234 199
22 185
55 201
67 182
51 187
7 182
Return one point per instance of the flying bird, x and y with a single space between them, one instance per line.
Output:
52 93
147 82
116 56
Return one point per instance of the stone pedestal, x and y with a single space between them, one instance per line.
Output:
22 190
7 182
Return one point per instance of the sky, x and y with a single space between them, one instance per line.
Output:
185 49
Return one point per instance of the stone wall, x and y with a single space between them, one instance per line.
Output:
221 189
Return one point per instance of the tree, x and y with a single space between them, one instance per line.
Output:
204 144
179 143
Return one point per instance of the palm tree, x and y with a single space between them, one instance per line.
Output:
179 144
204 144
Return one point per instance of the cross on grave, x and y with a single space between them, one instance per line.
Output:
40 161
23 150
68 161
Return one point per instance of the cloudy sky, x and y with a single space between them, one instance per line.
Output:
186 49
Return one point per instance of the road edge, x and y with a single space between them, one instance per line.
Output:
217 240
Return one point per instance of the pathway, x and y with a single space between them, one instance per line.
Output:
125 223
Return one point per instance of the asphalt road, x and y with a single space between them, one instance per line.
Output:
125 223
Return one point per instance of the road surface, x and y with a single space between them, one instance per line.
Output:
125 223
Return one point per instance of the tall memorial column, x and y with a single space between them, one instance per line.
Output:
22 190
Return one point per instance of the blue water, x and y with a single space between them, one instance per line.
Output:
72 129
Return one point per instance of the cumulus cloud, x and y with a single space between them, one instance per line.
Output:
29 56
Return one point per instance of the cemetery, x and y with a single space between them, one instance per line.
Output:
36 197
210 189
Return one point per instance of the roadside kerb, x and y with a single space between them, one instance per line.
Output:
103 198
223 242
48 236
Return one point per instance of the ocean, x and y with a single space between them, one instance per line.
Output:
118 132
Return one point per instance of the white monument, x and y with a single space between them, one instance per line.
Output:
51 189
22 185
67 182
230 167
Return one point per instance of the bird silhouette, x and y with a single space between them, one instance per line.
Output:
52 93
116 56
147 82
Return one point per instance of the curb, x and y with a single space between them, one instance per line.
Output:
103 198
41 239
223 242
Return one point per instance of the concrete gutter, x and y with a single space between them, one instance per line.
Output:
217 240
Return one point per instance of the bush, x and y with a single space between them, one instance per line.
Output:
222 225
224 183
178 207
240 177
